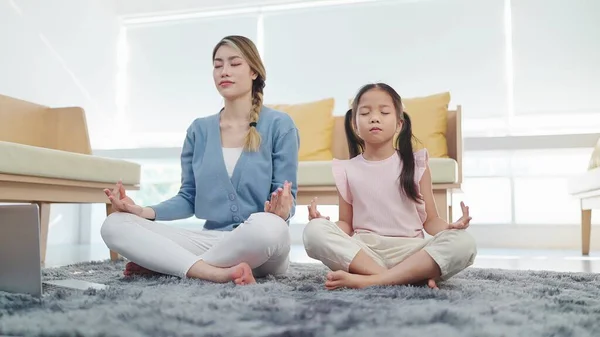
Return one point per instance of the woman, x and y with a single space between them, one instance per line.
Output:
239 170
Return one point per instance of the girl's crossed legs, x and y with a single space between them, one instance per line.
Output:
367 259
260 246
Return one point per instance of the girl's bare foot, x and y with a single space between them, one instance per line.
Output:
340 279
132 268
431 284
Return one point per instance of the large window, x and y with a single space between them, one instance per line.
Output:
522 186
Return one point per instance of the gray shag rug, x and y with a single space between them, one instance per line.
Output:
476 302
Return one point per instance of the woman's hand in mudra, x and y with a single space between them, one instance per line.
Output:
281 201
121 202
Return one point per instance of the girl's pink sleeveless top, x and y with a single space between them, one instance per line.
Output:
373 190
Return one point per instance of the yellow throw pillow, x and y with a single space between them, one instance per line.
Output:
314 121
595 159
429 117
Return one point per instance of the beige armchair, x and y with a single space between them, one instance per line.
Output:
46 159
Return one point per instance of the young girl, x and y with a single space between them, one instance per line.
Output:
385 202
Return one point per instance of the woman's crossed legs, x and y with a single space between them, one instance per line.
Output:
260 246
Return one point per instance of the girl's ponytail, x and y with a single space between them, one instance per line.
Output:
355 144
405 151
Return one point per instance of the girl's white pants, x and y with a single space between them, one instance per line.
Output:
263 241
452 250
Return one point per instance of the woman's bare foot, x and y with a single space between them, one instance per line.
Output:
132 268
340 279
240 274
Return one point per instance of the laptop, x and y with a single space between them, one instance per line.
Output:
20 261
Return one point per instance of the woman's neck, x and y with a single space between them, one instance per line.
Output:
237 109
378 151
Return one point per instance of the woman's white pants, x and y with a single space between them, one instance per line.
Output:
263 241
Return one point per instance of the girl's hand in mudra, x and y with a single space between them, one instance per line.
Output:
313 213
464 221
120 201
281 201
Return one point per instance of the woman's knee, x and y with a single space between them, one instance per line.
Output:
113 226
272 231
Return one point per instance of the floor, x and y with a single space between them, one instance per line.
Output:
554 260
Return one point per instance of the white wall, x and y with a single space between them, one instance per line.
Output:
58 53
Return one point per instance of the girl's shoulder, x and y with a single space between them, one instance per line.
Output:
340 162
344 163
355 167
421 156
421 159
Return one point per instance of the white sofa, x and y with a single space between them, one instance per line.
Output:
46 158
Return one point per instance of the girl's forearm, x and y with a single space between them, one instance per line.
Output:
435 225
346 227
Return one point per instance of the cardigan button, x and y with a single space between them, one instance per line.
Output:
232 196
236 218
233 208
